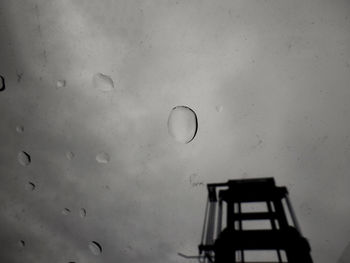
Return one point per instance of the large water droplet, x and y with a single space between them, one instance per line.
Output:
95 248
30 186
103 82
102 157
61 83
21 243
2 83
69 155
19 128
66 211
23 158
82 212
182 124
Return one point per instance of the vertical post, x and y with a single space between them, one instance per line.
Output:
205 220
211 223
282 219
229 215
240 227
219 219
291 211
273 225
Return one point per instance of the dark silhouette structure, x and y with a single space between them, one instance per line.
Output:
250 220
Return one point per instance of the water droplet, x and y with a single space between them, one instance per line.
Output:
19 129
219 108
30 186
24 158
182 124
102 157
103 82
70 155
2 83
95 248
82 212
66 211
61 83
195 181
21 243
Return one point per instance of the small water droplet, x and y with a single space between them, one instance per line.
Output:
82 212
95 248
21 243
19 129
219 108
70 155
103 82
102 157
61 83
24 158
30 186
195 181
66 211
2 83
182 124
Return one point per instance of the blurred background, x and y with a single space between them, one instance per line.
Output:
94 167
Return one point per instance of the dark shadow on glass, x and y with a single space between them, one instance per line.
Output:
276 240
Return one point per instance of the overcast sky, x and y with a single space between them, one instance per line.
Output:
268 81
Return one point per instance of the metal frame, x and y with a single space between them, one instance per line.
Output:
216 240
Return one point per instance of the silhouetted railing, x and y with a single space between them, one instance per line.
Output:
232 233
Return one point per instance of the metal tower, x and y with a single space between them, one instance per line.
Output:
251 220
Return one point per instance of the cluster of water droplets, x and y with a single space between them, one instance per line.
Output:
67 211
23 159
101 82
182 126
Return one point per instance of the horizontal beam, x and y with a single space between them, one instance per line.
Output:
254 216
